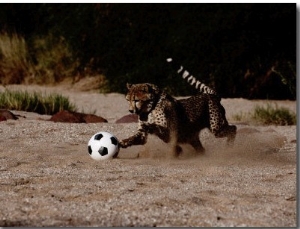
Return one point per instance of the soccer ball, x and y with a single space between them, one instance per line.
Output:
103 146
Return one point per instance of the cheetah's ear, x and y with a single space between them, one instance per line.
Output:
128 85
153 88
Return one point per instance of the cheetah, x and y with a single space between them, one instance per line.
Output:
176 121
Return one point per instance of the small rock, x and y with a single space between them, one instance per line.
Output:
75 117
6 114
67 116
128 118
90 118
292 198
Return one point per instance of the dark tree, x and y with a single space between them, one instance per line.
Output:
243 50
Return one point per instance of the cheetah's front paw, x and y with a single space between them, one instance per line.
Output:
123 144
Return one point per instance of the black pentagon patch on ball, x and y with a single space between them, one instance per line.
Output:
114 141
98 137
103 151
90 150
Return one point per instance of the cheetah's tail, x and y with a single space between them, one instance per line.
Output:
190 78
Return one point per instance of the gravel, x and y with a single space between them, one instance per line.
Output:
48 179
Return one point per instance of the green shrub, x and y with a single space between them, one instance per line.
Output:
34 102
274 115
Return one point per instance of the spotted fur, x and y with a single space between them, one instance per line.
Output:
175 121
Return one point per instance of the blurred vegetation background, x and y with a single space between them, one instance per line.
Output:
241 50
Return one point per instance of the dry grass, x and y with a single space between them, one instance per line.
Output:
15 64
54 59
268 115
49 59
274 115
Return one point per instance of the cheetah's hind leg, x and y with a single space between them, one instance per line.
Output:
196 143
228 131
177 151
231 134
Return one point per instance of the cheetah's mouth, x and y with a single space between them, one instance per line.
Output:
145 108
133 111
137 111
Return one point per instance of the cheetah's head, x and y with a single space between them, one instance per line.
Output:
142 97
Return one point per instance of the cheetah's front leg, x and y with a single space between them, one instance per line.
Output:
139 138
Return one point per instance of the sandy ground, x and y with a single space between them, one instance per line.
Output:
48 179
